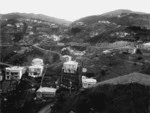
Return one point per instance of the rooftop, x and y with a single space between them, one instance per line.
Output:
15 68
46 89
71 62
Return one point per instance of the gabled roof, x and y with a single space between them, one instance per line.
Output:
135 77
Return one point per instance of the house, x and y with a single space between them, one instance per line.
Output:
146 45
45 92
70 75
30 27
55 37
106 52
87 82
14 73
60 44
9 25
66 58
19 24
53 26
31 33
36 70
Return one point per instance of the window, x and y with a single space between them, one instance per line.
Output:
8 78
35 73
7 73
14 73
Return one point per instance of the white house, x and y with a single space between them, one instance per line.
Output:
45 92
106 51
87 82
70 66
53 26
60 44
36 70
146 45
55 37
14 72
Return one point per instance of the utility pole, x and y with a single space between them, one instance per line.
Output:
0 70
43 76
70 87
149 22
0 41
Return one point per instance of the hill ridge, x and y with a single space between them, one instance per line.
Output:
36 16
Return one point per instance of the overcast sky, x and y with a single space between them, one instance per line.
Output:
72 9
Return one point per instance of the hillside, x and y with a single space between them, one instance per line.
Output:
116 16
19 32
112 26
35 16
120 11
100 43
123 94
46 32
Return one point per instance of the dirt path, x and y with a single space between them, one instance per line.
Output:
46 51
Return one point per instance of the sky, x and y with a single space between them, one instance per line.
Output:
71 9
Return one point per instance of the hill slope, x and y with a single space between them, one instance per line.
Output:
35 16
112 26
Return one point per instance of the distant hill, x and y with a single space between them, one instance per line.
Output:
35 16
20 30
112 26
114 15
120 11
118 25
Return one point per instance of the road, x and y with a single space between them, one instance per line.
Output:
1 63
48 51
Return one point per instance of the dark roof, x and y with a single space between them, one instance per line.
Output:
135 77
